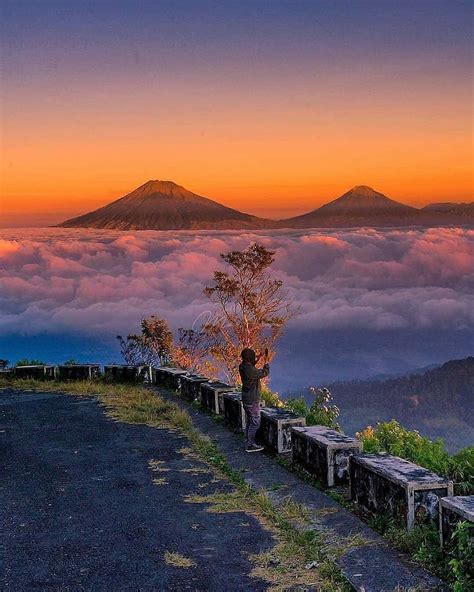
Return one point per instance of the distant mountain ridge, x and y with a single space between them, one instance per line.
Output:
164 205
457 209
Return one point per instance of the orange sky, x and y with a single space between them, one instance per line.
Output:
259 158
84 125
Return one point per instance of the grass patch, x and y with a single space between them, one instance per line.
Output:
123 402
420 543
295 548
299 556
327 511
157 466
195 470
178 560
160 481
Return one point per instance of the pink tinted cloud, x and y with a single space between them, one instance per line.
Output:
89 281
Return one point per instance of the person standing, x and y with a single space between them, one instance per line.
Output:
251 376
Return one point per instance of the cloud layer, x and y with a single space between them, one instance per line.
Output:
103 282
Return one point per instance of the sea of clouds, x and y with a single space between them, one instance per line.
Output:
371 294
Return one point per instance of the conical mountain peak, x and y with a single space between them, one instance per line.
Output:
165 205
361 205
159 184
363 190
156 186
361 198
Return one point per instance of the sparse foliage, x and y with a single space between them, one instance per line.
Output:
191 352
130 348
4 364
322 410
252 307
462 563
153 345
33 362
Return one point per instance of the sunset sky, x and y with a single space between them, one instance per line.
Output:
271 107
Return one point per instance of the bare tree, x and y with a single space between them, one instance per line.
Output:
192 352
252 307
130 348
154 345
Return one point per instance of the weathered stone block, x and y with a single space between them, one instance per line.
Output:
234 411
190 386
275 428
145 374
211 395
78 371
453 510
173 378
391 486
169 378
324 453
124 373
159 376
36 372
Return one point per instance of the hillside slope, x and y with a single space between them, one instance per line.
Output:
439 402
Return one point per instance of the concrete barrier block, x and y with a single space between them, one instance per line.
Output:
453 510
324 452
211 395
125 373
190 386
169 378
234 411
159 376
392 486
35 372
275 428
173 378
78 371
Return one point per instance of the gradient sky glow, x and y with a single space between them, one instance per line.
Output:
272 107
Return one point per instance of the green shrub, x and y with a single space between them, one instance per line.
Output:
461 471
269 398
322 410
393 438
462 563
26 362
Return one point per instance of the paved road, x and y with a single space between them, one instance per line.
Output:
374 567
79 509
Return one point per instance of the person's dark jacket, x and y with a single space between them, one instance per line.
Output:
250 376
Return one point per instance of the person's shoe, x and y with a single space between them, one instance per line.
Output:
253 448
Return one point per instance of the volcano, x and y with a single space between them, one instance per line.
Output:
164 205
361 206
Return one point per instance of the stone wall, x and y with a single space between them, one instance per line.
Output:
379 484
